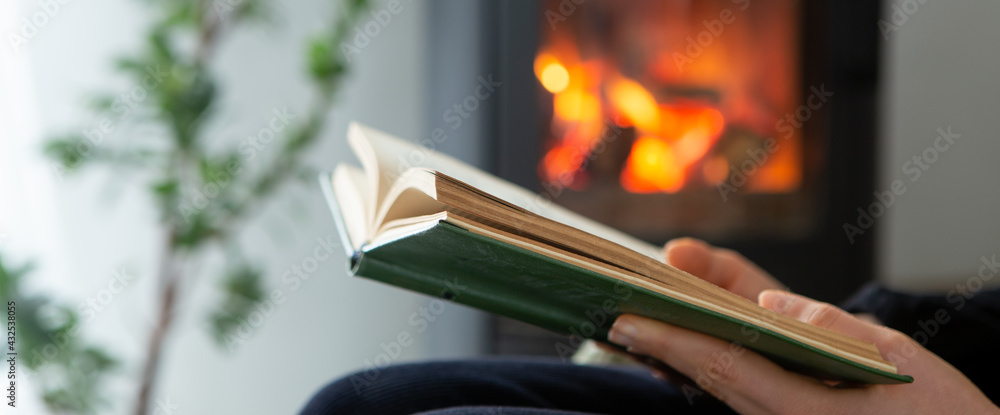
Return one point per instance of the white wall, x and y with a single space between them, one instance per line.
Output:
103 221
941 69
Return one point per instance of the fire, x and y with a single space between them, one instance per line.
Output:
551 73
555 78
635 103
652 167
577 105
691 126
560 162
696 130
661 163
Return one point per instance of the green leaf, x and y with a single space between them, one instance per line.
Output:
70 372
185 104
102 102
355 7
130 64
160 45
184 13
322 63
193 230
70 151
256 11
166 187
245 284
92 359
242 291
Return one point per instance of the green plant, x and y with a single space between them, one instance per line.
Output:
68 368
204 194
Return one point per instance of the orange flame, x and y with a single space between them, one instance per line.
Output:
551 73
675 139
696 130
635 103
576 105
692 119
652 167
559 162
661 164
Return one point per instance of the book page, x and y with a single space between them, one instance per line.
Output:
412 194
343 193
376 184
395 156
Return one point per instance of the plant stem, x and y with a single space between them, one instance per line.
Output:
169 277
170 280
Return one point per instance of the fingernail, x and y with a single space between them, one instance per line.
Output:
622 333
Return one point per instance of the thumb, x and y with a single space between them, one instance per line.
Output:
892 344
817 313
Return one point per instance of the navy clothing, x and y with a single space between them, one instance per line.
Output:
519 387
962 327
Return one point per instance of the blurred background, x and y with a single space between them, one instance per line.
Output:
776 127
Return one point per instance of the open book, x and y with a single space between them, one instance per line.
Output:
423 221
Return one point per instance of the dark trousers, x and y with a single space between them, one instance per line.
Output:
506 387
961 327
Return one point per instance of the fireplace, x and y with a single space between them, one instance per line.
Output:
648 127
749 124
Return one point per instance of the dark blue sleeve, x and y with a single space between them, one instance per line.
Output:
962 327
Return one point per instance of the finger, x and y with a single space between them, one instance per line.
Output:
722 267
894 346
819 314
743 379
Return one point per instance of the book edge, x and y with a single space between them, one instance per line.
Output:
326 184
891 377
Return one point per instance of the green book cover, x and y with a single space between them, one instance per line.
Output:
449 262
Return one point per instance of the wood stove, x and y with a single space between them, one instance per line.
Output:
747 123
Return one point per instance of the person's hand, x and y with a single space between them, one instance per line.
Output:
723 267
752 384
